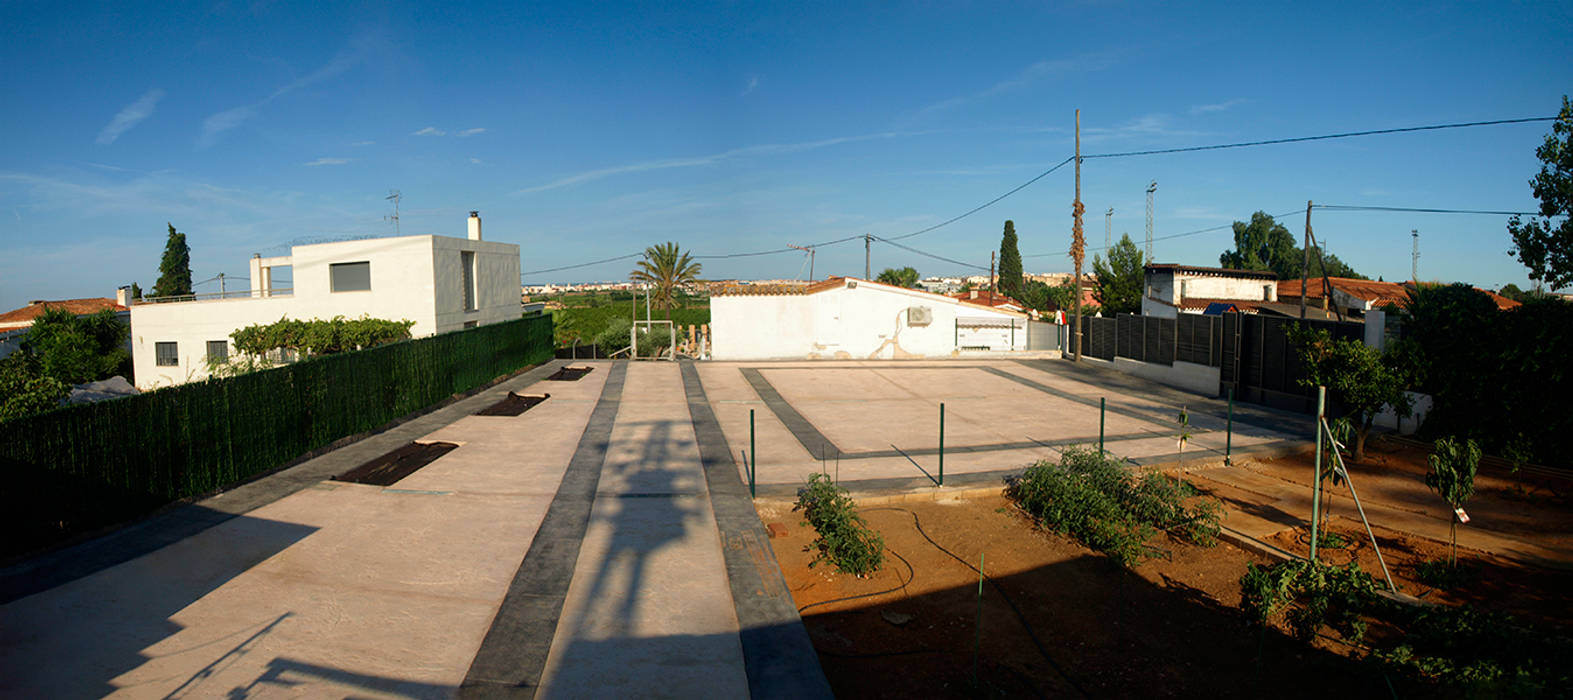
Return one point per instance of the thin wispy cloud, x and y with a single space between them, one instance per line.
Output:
1216 107
327 161
1034 73
1146 126
475 161
430 131
131 115
753 84
350 57
472 132
711 159
364 143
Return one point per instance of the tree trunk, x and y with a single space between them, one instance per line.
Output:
1452 557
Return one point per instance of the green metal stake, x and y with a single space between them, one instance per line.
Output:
753 465
1228 437
1316 473
942 443
977 638
1101 403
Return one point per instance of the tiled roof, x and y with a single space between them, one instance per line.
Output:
1378 294
1202 303
25 315
759 290
1503 303
987 298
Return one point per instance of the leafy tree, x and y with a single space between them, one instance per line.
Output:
1043 297
174 271
319 337
1266 245
1010 263
136 291
1358 378
1452 477
1546 250
79 349
1120 280
666 268
25 389
904 277
1512 291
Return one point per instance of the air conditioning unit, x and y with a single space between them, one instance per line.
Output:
919 315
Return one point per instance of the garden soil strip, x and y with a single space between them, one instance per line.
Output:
393 466
513 405
569 374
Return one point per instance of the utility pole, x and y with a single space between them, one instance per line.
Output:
867 240
1108 230
991 278
1078 241
221 285
1414 261
1151 188
1305 268
810 252
395 196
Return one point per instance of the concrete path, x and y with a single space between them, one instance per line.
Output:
599 544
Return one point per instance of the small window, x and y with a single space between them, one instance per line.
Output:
350 277
470 324
467 264
218 351
166 355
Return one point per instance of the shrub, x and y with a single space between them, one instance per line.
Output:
1314 595
614 337
1092 497
844 539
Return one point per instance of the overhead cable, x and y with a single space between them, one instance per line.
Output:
1300 139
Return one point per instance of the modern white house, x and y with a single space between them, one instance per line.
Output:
439 282
849 318
1169 289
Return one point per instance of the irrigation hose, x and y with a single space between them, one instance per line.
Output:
1031 633
911 574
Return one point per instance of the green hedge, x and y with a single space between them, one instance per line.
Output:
196 438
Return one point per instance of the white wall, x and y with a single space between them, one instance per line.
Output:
1202 379
869 321
415 278
1211 287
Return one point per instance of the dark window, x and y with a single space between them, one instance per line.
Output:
166 355
470 324
467 262
218 351
350 277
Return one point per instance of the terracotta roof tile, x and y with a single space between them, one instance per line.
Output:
26 314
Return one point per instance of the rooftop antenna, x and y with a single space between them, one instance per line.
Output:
810 251
1414 262
1108 229
395 197
1150 189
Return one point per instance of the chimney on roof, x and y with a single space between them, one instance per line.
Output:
123 296
475 225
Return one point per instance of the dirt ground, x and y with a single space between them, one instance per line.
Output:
1057 619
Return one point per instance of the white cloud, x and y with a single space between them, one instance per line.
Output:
328 161
430 131
131 115
364 143
356 53
1216 107
476 161
753 83
1041 70
472 132
224 121
711 159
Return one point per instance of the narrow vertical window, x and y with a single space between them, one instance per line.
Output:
467 264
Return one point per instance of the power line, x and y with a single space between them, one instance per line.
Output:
929 255
588 264
983 206
1197 232
1419 210
1300 139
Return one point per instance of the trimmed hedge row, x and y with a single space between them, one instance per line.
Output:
196 438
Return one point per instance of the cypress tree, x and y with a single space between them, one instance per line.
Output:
174 272
1010 263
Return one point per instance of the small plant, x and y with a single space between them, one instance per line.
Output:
1447 575
1452 477
1091 497
1184 419
844 540
1310 595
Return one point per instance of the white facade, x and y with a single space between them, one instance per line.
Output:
846 318
415 278
1167 286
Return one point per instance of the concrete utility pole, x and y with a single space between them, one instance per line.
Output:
810 252
1414 260
1151 188
867 240
1078 242
1305 268
1108 230
991 278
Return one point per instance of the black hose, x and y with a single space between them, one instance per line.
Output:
911 574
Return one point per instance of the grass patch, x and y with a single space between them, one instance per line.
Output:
1093 498
844 540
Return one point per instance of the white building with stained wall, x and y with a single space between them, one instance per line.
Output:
439 282
1170 289
848 318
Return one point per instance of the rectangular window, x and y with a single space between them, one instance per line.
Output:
470 324
166 355
218 351
350 277
467 263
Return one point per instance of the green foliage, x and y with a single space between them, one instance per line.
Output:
1439 573
615 336
665 267
1043 297
586 324
136 291
1467 652
194 438
174 270
1010 263
1359 379
319 337
845 540
1310 595
1266 245
904 277
25 389
1545 249
1093 498
79 349
1452 474
1121 279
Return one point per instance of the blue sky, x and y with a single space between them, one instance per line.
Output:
586 131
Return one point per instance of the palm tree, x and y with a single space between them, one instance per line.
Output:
904 277
665 268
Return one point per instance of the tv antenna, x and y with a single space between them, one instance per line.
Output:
1414 261
810 251
395 196
1150 189
1108 229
